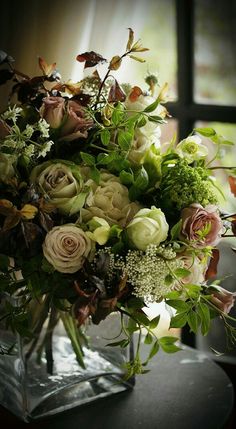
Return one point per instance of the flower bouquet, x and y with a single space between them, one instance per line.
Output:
98 219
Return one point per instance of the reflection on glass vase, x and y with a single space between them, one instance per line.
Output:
42 377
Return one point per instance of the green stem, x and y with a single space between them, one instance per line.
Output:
71 332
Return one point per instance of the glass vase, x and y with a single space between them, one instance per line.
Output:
37 383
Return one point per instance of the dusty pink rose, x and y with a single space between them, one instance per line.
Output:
223 299
53 110
68 115
202 226
4 129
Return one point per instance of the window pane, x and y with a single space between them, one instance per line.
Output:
228 158
215 59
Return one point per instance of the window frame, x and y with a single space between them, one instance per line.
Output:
185 110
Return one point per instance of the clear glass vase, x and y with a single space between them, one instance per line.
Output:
32 386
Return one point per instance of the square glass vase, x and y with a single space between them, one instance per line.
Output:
30 390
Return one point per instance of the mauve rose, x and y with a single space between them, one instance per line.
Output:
53 110
69 115
222 298
201 225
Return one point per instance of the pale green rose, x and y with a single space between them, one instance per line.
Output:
110 201
148 226
191 149
61 184
99 230
6 168
66 247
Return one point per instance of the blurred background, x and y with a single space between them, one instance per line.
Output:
192 47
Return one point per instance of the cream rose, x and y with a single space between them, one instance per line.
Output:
196 267
148 226
110 201
58 183
66 247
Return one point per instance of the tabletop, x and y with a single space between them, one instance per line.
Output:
185 390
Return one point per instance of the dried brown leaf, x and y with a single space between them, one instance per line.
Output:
130 40
232 184
115 63
212 268
11 221
116 93
90 59
47 69
28 211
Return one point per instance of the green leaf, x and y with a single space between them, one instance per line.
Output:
168 344
124 139
87 158
169 279
153 350
175 230
182 272
148 339
207 132
47 267
193 290
204 314
194 321
152 106
95 174
121 343
141 318
142 121
178 304
126 177
156 119
154 322
135 303
132 326
117 114
105 137
179 320
142 180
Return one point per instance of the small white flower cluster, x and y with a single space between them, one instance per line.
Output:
20 141
147 271
12 113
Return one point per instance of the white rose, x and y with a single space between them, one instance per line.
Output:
150 130
141 145
66 247
110 201
148 226
191 149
